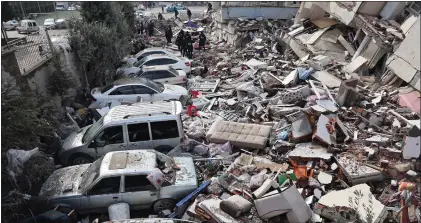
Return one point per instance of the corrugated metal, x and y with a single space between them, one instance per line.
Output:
254 12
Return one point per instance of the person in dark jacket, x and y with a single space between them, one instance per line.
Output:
189 14
150 28
176 13
160 17
168 34
209 6
189 46
184 44
162 7
202 41
179 40
141 28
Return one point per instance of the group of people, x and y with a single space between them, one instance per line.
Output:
185 43
145 27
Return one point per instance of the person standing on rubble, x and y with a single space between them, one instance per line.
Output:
202 41
179 41
189 14
141 28
150 28
160 17
168 34
209 7
189 46
162 7
175 13
184 41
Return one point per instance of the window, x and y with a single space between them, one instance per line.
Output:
164 130
111 135
139 89
149 75
29 23
138 132
35 24
137 183
123 90
167 61
163 74
110 185
106 88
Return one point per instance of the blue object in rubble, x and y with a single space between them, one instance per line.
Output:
283 135
303 73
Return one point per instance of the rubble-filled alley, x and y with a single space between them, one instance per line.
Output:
309 119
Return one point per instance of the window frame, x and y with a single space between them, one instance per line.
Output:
148 128
106 142
88 191
123 188
129 86
166 127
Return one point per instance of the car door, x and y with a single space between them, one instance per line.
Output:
103 194
138 192
122 93
165 135
139 136
108 140
145 93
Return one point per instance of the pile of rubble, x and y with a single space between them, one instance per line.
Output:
279 135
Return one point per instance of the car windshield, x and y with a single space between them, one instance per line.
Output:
89 134
140 62
154 85
49 21
90 174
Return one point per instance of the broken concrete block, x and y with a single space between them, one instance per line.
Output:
309 151
348 95
212 208
356 172
328 204
322 132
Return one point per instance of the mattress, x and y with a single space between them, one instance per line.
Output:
248 136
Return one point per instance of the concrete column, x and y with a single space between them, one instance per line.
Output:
362 46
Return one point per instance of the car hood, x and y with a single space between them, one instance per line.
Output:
49 23
63 182
174 89
75 139
187 173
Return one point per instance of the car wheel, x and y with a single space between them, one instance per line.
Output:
79 159
163 204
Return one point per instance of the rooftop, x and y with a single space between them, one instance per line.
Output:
128 162
121 112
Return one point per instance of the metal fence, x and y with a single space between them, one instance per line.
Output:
31 50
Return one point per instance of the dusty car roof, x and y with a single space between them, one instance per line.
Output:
142 109
128 162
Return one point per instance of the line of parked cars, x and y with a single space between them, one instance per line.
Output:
110 161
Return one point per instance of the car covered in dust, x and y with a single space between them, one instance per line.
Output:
120 177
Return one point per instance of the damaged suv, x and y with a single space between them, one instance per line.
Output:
120 177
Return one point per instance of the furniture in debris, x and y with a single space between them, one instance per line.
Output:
248 136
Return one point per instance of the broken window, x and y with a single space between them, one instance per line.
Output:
164 130
111 135
137 183
110 185
138 132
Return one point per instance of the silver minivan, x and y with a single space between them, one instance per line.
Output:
27 26
144 125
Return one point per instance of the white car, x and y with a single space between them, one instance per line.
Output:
10 25
163 74
154 60
71 8
134 89
146 52
49 24
61 23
